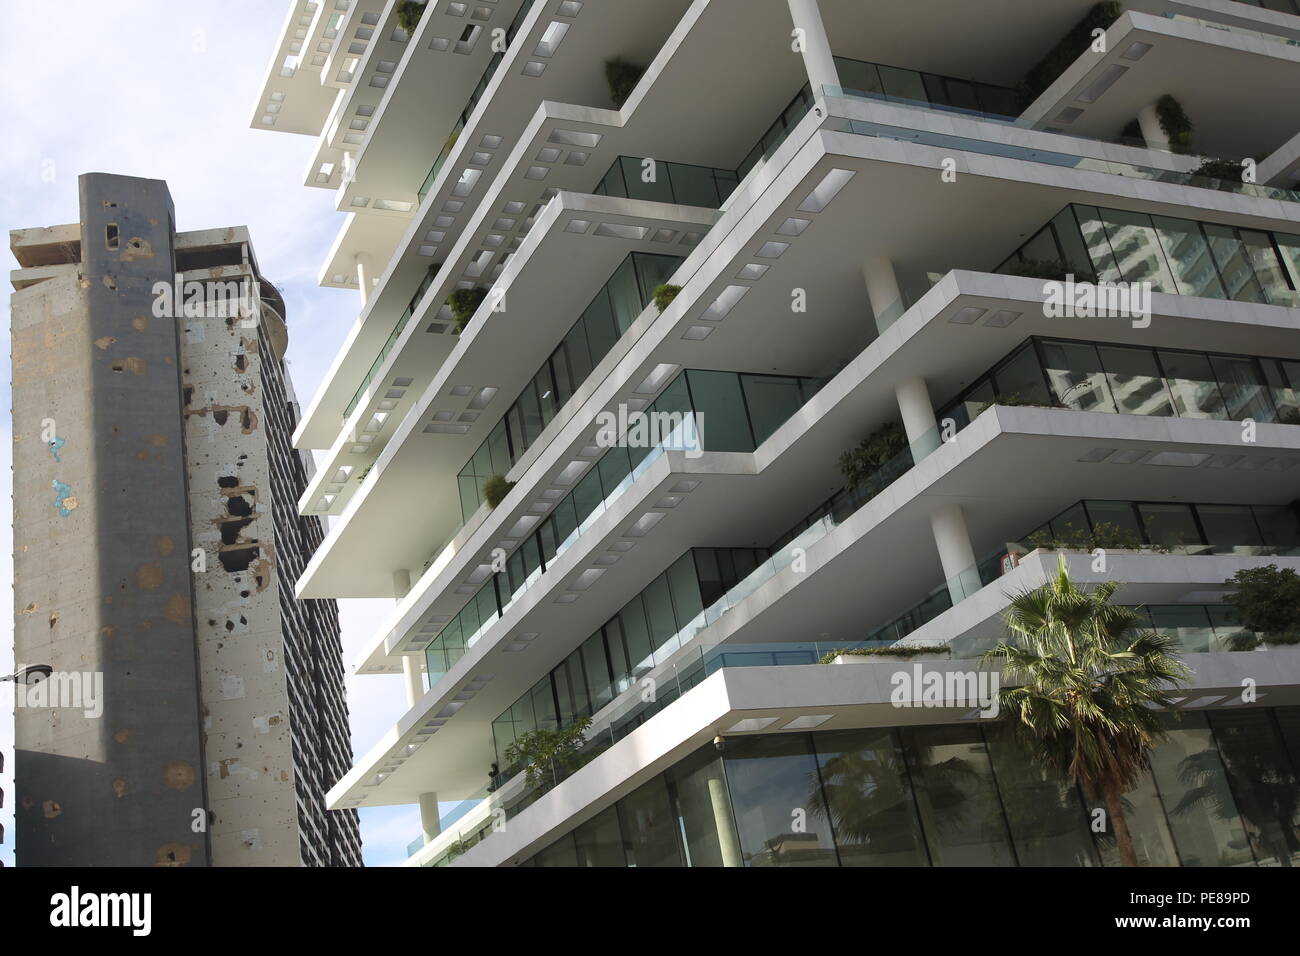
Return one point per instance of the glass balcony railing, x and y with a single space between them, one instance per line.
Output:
1047 157
479 89
391 341
631 177
697 411
600 327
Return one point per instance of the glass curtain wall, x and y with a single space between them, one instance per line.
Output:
1222 791
1176 256
1135 380
631 178
706 410
610 314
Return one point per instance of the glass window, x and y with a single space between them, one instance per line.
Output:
1115 519
660 619
1188 624
636 636
615 468
858 77
693 185
1203 818
571 689
1076 376
564 522
1135 381
1234 264
543 701
698 788
530 413
903 84
560 853
1245 390
598 842
1043 809
1137 249
649 827
1020 380
685 588
595 665
624 296
1171 526
1094 237
772 400
1146 823
499 449
1263 782
1268 268
469 499
598 321
955 794
1284 388
1070 525
998 100
587 498
720 410
1281 526
777 802
1188 255
1289 247
868 798
1072 247
619 664
578 354
1193 384
1229 528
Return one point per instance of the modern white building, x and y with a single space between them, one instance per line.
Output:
861 213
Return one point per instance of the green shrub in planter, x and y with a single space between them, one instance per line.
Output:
464 303
409 13
664 295
1044 269
1268 600
903 651
1063 55
495 490
1227 171
859 464
622 77
1174 123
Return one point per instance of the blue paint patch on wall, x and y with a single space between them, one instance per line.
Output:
62 492
55 446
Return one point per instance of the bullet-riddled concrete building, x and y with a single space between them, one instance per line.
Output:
196 714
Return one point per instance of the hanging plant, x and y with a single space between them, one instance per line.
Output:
1174 123
464 303
495 490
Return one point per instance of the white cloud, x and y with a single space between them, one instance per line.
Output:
165 90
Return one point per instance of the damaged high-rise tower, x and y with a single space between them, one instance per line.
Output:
196 713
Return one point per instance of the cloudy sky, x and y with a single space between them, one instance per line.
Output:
165 89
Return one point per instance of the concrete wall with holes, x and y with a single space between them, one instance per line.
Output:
101 537
246 712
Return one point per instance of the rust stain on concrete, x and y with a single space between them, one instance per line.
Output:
149 576
179 775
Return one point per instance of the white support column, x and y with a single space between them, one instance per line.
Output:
410 665
364 270
882 291
414 679
916 409
816 49
955 551
727 841
429 821
1149 121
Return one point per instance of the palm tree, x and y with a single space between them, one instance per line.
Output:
1091 688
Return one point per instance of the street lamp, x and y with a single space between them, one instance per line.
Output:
29 675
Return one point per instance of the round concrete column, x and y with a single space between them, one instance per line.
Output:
1149 121
817 58
915 407
364 270
414 679
955 551
429 821
882 291
727 841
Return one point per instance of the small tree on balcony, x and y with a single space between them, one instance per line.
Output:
1092 686
549 755
464 303
409 13
1268 600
